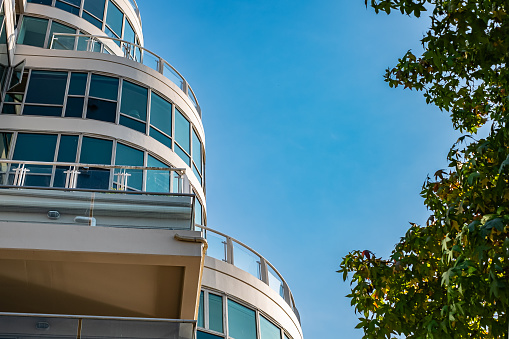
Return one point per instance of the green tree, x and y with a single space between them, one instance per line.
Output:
449 278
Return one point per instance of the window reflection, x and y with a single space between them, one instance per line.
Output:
32 31
241 321
129 156
157 181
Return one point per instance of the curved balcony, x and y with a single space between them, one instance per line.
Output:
225 248
129 50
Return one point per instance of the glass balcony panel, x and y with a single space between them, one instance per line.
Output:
60 41
39 176
157 181
217 246
151 60
88 44
275 282
173 76
246 260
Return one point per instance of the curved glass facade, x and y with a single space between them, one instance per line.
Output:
220 316
109 99
104 14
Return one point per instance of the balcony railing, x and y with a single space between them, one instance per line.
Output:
135 7
21 325
94 176
70 193
131 51
233 251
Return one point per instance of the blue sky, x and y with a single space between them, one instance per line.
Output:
310 154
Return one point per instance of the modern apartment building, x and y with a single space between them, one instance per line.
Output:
103 223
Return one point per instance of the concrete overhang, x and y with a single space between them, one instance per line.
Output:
84 270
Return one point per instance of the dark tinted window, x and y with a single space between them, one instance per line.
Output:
74 107
78 84
134 100
67 148
33 31
96 151
46 87
35 147
103 87
101 110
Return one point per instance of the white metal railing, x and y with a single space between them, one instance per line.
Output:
18 172
131 51
230 253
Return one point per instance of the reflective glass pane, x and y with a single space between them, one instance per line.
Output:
157 181
88 44
103 87
131 123
35 147
268 330
197 151
33 31
5 143
182 155
191 96
68 8
11 109
129 156
92 20
134 100
96 151
59 41
215 312
95 7
54 111
67 148
203 335
42 2
163 139
246 260
198 212
195 171
160 113
46 87
129 32
94 178
217 246
173 76
101 110
78 83
241 321
177 183
13 97
200 312
73 2
74 107
182 131
114 18
275 282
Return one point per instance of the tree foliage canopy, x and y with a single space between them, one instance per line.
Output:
450 277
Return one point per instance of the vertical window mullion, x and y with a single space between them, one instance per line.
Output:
225 317
206 309
119 100
112 162
87 89
66 93
48 29
55 158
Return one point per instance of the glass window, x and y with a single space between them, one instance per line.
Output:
198 176
61 42
200 312
203 335
182 131
157 181
134 101
163 139
241 321
63 5
5 143
96 151
129 156
268 330
215 312
103 87
182 154
197 152
160 114
47 87
52 111
35 147
286 337
129 32
133 124
67 148
101 110
74 107
94 7
114 18
33 31
92 20
78 84
42 2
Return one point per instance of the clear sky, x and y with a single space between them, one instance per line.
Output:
310 154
